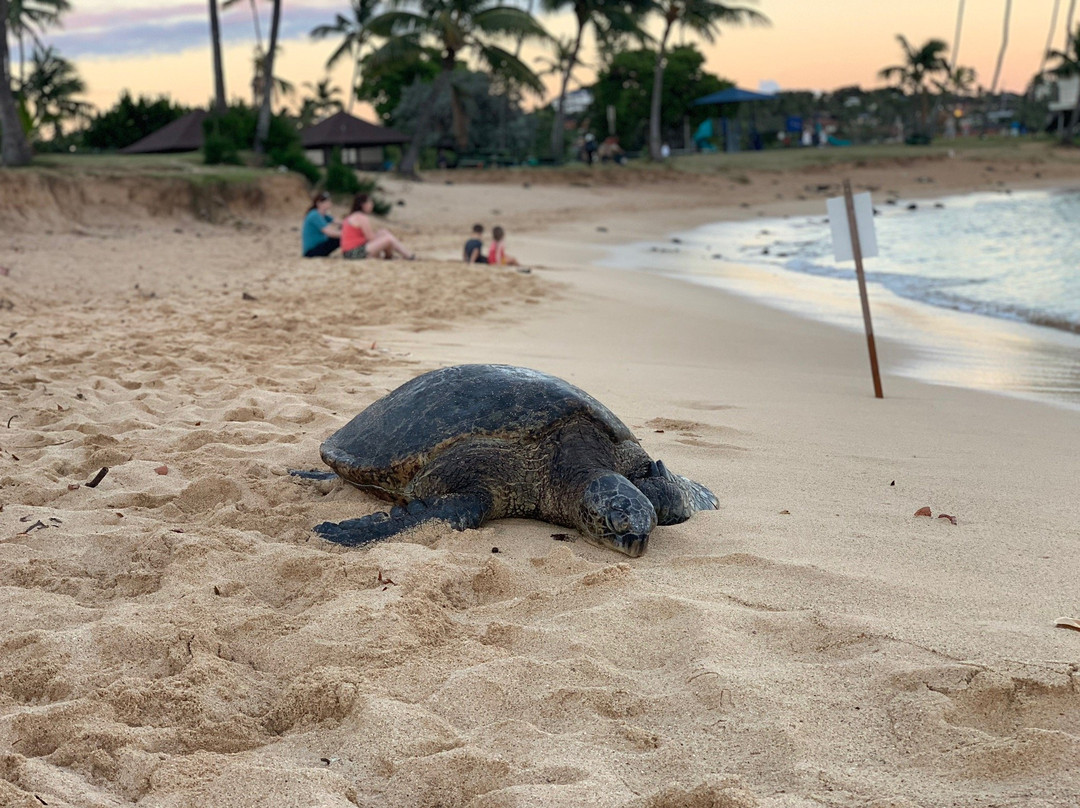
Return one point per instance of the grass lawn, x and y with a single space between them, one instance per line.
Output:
1031 149
1038 149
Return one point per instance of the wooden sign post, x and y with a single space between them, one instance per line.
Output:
856 247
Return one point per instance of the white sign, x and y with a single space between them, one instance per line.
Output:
841 235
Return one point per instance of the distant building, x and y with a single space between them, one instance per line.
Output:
1062 93
361 143
576 102
185 134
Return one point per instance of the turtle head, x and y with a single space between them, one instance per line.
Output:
616 515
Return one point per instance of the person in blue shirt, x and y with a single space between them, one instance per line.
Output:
321 234
474 247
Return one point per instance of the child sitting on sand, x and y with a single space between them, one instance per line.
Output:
474 247
497 253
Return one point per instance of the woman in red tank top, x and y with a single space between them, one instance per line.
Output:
359 239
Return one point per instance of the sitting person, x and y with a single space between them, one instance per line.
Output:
321 234
474 247
359 239
497 253
610 150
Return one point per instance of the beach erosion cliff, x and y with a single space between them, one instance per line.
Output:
66 199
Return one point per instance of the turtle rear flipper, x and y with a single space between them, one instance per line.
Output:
675 498
459 511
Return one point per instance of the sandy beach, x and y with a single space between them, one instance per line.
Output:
176 636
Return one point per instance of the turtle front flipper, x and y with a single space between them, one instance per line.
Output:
459 511
675 498
313 475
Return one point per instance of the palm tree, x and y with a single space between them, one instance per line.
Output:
703 18
219 71
258 76
355 36
602 16
31 18
322 101
278 87
254 18
1068 64
958 81
559 61
14 148
262 126
458 27
919 66
51 88
1068 23
1004 45
956 37
1049 41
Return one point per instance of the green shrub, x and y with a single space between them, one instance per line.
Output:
294 159
225 135
218 148
340 178
130 121
283 148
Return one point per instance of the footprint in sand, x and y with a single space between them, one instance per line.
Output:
691 433
987 724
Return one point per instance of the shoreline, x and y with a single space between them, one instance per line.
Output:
937 344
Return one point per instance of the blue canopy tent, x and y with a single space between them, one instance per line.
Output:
730 126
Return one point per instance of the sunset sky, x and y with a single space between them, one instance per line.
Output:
155 47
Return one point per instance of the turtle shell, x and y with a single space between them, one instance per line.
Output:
387 443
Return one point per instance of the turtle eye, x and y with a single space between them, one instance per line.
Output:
619 522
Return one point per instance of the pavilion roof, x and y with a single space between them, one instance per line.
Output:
343 129
183 134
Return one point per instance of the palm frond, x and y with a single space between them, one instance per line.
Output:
510 21
399 23
340 26
395 51
503 63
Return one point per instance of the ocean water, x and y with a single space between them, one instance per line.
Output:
984 288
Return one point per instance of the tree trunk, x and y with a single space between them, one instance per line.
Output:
459 120
1004 45
255 19
262 129
956 38
1068 26
407 167
14 148
558 130
1049 39
997 68
219 70
657 92
355 78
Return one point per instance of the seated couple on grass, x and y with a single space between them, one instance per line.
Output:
356 236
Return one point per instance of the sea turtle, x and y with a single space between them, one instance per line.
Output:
470 443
